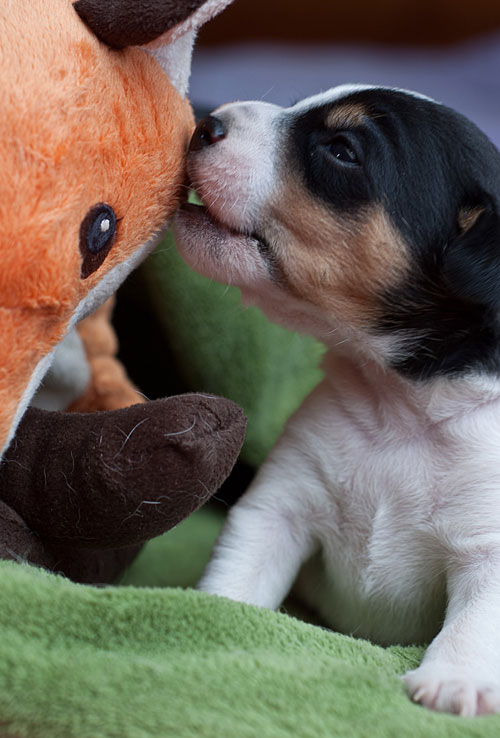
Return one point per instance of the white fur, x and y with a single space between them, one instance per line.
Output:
67 377
337 93
174 49
175 60
381 500
239 173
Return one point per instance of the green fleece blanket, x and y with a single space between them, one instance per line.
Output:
131 662
149 659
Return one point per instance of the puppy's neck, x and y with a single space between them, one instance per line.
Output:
379 397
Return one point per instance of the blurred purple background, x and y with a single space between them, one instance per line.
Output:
464 76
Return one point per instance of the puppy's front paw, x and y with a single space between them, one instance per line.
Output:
447 688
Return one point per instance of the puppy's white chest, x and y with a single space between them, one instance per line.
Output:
378 519
373 501
380 578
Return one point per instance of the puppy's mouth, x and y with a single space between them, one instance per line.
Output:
202 212
198 215
209 220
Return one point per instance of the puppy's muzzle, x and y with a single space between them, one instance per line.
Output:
208 132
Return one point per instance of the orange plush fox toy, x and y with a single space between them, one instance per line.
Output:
94 126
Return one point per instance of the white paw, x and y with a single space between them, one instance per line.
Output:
447 688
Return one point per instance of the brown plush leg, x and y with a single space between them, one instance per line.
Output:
18 542
115 479
92 567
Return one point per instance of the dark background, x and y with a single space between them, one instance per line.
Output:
381 21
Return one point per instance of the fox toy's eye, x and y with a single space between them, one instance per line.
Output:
97 234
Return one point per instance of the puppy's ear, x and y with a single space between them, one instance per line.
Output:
471 262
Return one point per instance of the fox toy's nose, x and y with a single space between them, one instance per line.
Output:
209 131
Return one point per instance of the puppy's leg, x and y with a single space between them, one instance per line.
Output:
460 672
265 541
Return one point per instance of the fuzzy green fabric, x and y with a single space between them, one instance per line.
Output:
149 659
221 348
130 662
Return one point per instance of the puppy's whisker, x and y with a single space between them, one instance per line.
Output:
268 92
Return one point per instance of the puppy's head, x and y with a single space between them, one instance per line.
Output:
367 216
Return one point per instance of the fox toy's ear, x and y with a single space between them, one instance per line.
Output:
471 264
121 23
166 27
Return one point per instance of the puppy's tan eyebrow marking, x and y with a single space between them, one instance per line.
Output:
346 115
467 217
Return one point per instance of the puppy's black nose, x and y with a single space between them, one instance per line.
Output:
208 131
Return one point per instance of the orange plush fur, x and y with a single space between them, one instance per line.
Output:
67 142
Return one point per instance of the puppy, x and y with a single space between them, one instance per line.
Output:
370 218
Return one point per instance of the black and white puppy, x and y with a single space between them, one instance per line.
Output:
370 218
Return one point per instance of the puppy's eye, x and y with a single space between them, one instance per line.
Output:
97 234
341 150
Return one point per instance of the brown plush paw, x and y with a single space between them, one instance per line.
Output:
18 542
89 566
118 478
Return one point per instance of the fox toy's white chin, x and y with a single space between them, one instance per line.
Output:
216 251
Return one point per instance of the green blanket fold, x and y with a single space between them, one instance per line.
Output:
132 662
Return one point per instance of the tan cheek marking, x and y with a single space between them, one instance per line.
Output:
341 266
347 115
467 217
